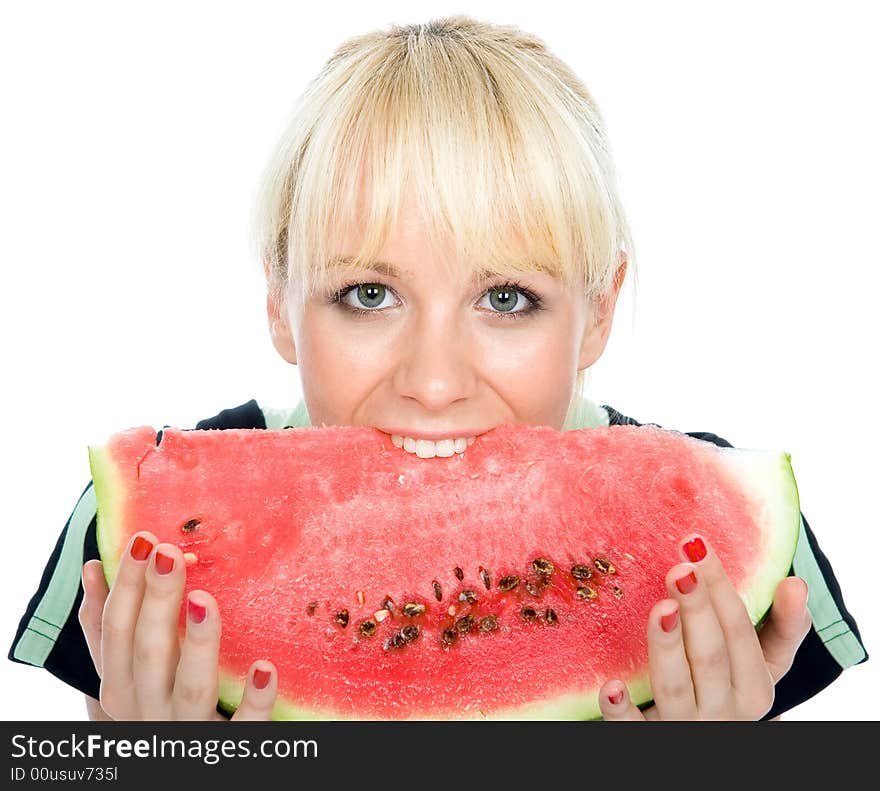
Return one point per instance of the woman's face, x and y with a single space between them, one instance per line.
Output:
432 357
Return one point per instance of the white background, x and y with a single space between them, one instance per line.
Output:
746 140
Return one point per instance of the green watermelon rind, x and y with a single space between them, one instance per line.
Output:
766 476
106 481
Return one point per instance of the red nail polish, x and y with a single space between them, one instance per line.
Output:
669 622
197 612
261 678
141 548
687 583
695 550
615 698
164 563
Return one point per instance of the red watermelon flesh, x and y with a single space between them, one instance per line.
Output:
314 541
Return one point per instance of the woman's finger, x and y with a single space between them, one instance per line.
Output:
671 680
91 611
195 684
615 703
121 612
156 640
260 690
787 626
751 681
704 642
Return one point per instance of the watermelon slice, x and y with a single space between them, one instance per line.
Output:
508 581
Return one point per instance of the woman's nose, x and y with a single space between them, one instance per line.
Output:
437 367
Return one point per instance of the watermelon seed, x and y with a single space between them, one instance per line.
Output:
529 613
586 592
581 572
409 632
367 628
411 609
484 575
551 617
190 525
459 573
438 591
448 637
464 624
508 583
489 623
388 604
381 615
313 605
342 618
543 567
604 566
451 610
468 596
618 592
395 641
530 587
360 598
190 558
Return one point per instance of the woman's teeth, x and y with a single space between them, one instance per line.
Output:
428 448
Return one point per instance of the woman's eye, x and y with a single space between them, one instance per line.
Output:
504 300
367 296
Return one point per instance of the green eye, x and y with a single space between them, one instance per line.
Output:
505 300
370 295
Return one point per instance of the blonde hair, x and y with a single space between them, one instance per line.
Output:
503 146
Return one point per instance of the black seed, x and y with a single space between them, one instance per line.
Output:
448 636
586 592
543 566
459 573
467 596
367 628
550 616
489 623
388 604
618 592
411 609
438 591
313 605
464 624
342 618
529 613
508 583
409 632
484 575
190 525
604 566
581 572
395 641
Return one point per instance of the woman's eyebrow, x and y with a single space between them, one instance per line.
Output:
385 268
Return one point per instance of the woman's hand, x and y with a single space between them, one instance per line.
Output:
706 660
147 672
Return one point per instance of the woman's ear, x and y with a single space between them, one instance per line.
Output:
598 325
279 327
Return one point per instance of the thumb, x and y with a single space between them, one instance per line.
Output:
91 611
787 626
616 705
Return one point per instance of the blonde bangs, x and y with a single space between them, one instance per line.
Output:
501 146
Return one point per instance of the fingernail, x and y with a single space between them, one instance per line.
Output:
261 678
670 621
695 549
164 563
197 612
615 698
141 548
686 583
